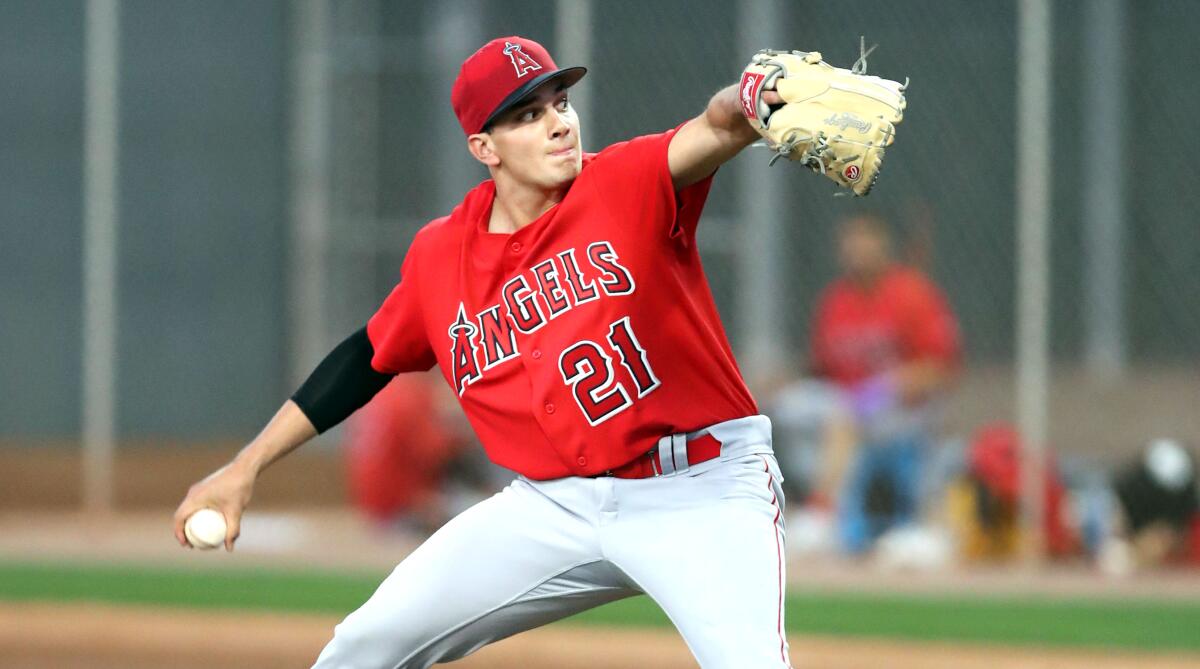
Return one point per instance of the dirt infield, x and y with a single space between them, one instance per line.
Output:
62 636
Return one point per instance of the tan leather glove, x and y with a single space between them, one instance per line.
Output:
833 120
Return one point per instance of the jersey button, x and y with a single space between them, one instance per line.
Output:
582 461
516 247
536 354
549 407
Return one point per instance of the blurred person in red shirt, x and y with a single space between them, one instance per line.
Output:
404 450
885 335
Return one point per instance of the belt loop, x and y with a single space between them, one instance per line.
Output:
679 452
666 455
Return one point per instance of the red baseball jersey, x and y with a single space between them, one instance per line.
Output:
575 343
858 333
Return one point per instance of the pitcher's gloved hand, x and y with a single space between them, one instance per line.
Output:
833 120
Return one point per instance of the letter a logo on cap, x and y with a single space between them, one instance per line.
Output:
521 61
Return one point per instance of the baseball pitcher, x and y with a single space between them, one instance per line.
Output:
564 303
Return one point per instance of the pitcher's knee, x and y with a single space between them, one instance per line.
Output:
369 647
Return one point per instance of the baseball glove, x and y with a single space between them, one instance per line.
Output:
833 120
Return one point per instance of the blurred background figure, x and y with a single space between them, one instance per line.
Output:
1157 515
983 505
411 459
814 435
885 336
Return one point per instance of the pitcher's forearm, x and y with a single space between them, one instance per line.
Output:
709 140
724 113
342 383
286 432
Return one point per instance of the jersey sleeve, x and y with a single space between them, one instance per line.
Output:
397 329
635 181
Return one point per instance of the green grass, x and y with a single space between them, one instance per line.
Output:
249 589
1134 625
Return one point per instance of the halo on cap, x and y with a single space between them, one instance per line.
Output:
569 76
502 73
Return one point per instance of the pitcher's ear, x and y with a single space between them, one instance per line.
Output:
483 149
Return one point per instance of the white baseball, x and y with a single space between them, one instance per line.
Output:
205 529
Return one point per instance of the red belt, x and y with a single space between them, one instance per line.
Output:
701 449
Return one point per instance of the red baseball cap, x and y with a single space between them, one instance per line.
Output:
501 74
995 458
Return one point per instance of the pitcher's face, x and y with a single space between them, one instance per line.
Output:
537 142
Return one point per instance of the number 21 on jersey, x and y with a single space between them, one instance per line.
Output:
588 369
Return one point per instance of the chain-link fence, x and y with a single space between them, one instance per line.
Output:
231 113
947 191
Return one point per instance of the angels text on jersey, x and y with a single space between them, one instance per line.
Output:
538 295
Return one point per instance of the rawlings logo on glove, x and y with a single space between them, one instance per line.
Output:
751 87
833 120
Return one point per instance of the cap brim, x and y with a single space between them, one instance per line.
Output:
569 76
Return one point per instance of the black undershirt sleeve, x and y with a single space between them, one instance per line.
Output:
343 382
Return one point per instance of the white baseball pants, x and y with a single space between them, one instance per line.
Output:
706 543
